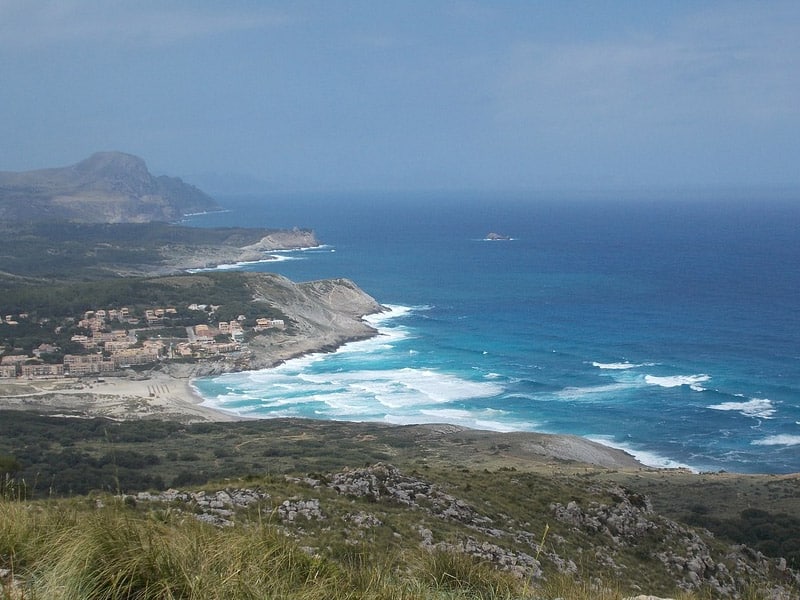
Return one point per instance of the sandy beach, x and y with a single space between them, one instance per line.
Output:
153 396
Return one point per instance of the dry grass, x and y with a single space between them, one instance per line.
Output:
75 550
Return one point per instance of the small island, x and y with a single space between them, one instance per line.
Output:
493 237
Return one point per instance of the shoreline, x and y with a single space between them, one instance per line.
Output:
165 397
167 393
161 396
326 314
164 393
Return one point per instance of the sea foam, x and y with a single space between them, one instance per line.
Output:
778 440
395 311
360 391
481 419
239 265
406 386
646 457
589 393
618 366
761 408
678 380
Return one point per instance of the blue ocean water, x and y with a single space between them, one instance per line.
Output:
665 325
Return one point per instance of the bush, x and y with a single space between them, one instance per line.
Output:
9 466
186 478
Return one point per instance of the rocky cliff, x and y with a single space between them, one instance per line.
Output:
320 316
182 256
324 315
107 187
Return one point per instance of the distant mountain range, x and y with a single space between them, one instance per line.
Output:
107 187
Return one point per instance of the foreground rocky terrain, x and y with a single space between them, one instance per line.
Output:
610 534
535 511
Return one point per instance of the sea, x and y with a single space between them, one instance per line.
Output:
663 323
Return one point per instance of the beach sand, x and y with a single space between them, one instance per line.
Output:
153 396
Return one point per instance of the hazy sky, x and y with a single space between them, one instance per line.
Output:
408 95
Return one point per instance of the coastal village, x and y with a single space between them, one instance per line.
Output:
109 340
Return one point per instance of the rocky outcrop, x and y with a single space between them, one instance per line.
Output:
607 532
287 239
292 510
216 508
199 256
323 315
628 523
107 187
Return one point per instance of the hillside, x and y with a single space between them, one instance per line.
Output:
308 509
107 187
47 251
107 216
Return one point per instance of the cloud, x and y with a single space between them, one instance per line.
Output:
725 66
37 23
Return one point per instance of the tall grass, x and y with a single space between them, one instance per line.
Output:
114 555
73 550
66 551
458 572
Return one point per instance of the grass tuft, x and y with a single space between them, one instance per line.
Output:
453 571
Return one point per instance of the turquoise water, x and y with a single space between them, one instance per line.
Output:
668 327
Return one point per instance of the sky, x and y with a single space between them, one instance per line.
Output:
248 95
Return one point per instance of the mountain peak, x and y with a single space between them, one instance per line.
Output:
112 163
107 187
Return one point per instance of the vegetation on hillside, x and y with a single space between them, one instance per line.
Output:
107 187
75 552
443 525
81 251
72 299
112 547
53 311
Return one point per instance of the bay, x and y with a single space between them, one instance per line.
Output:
664 325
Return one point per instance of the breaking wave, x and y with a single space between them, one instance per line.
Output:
761 408
778 440
678 380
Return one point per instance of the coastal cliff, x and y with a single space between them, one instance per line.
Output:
177 257
321 316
